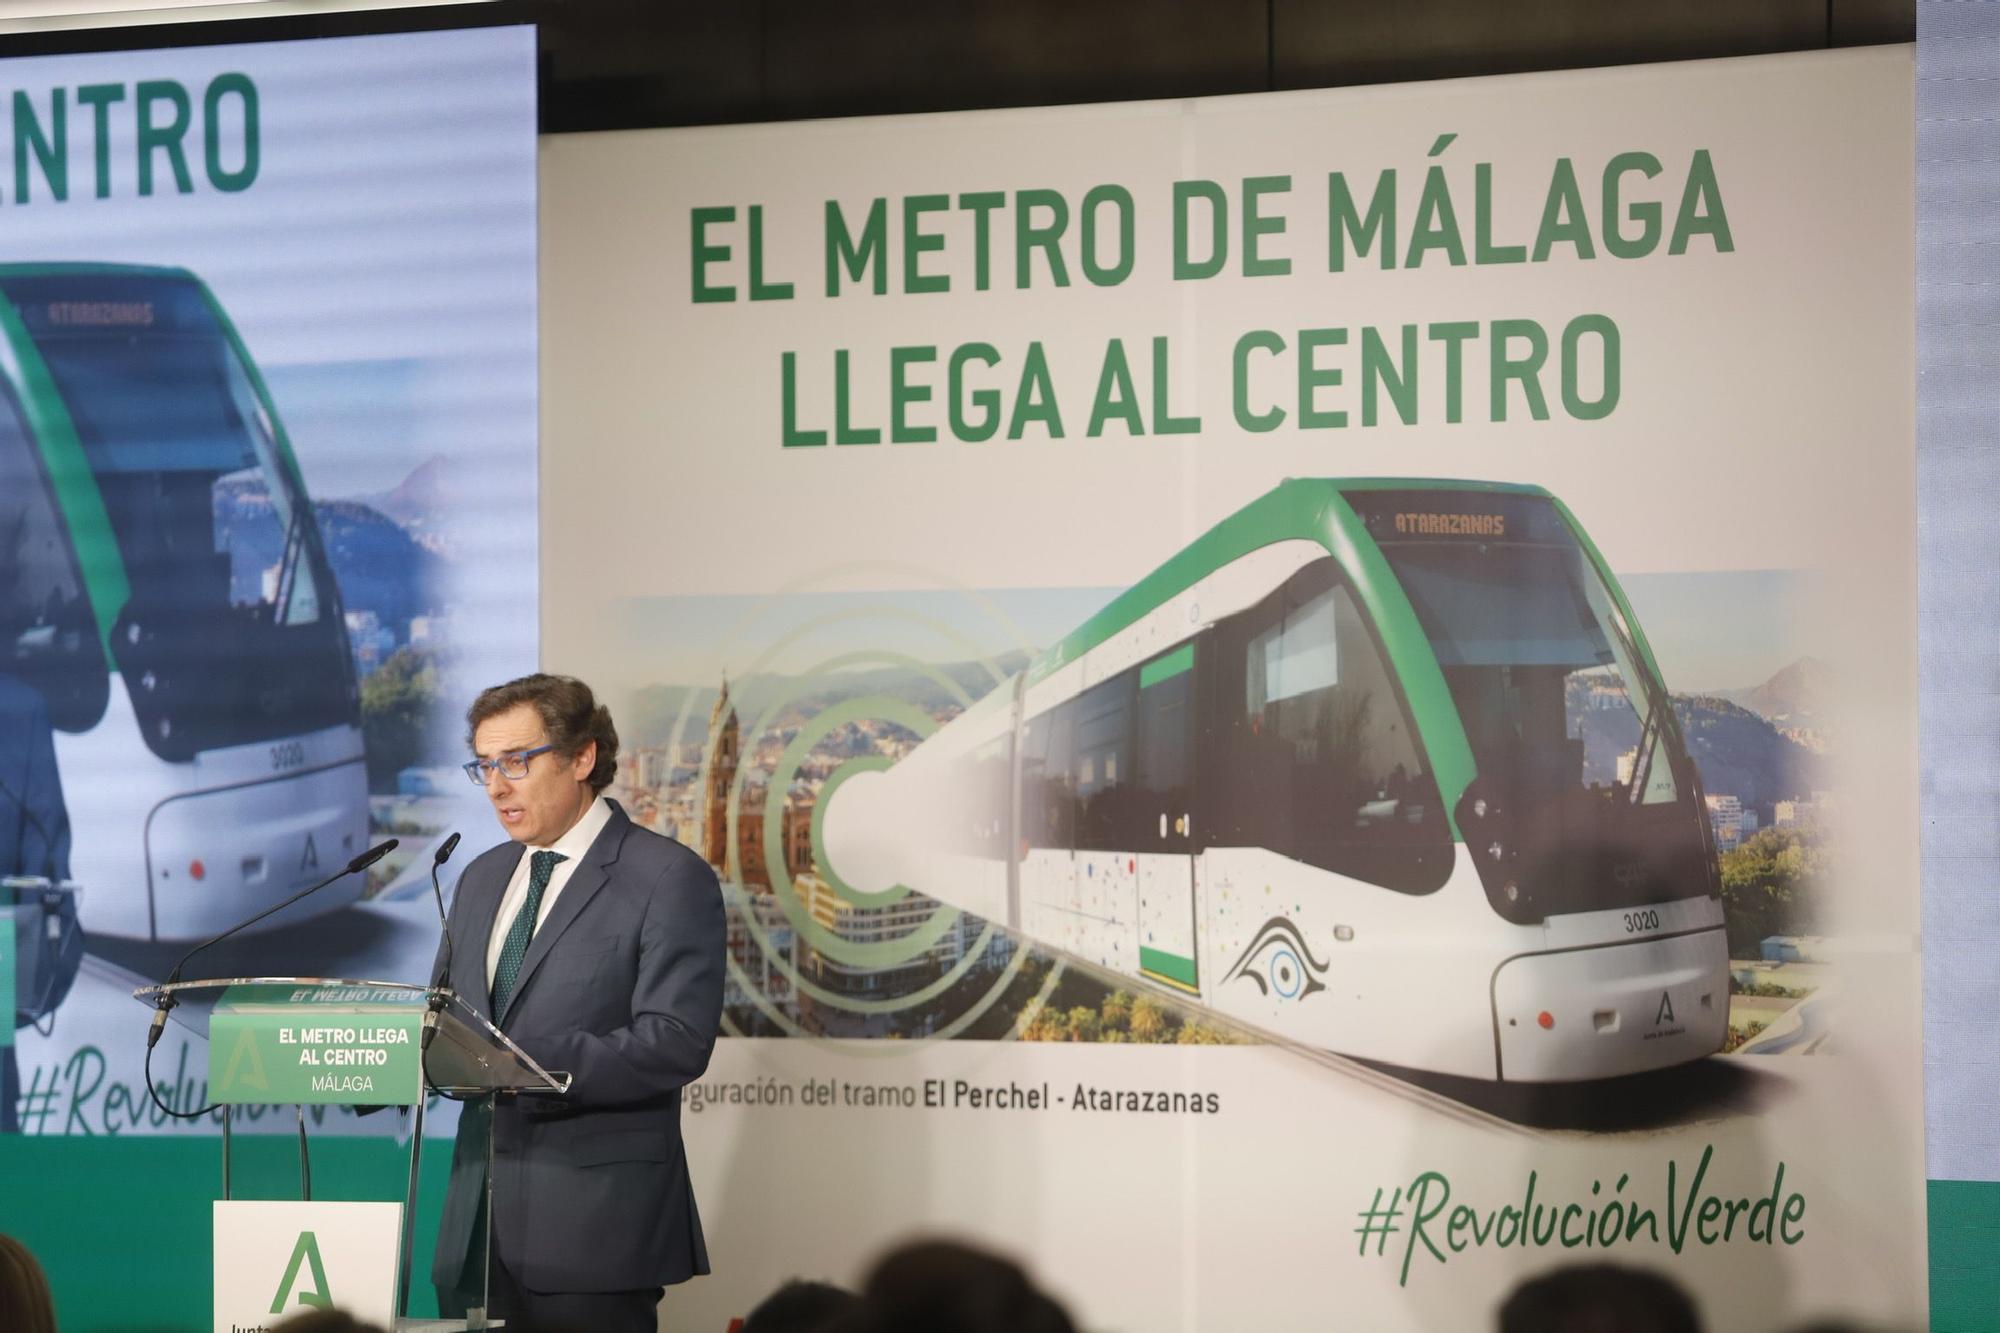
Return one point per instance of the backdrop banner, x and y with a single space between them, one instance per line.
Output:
267 519
1306 703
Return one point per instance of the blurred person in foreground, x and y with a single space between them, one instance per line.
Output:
325 1321
941 1286
26 1304
1599 1298
800 1307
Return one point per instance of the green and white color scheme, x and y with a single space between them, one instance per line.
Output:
1305 702
276 1260
1335 739
316 1044
135 430
268 440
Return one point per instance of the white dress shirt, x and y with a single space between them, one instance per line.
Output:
570 846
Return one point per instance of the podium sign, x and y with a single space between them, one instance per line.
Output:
276 1260
314 1040
317 1044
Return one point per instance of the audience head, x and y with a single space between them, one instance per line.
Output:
26 1306
800 1307
324 1321
939 1286
1599 1298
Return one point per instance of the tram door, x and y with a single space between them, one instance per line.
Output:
1164 806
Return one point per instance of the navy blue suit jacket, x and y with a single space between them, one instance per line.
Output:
34 840
34 824
621 988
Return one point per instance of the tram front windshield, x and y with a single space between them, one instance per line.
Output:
1571 733
232 634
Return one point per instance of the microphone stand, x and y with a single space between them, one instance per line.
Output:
166 1003
442 977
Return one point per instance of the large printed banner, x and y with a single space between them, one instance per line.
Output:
1305 703
267 519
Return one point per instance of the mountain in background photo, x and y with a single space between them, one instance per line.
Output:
1761 744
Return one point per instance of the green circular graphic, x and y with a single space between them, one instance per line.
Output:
890 1006
864 763
850 954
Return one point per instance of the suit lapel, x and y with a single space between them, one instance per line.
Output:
584 883
482 908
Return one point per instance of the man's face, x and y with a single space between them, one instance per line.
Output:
546 804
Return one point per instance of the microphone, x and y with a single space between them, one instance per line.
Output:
359 863
443 974
354 867
443 855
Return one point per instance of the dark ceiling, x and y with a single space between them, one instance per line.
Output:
622 64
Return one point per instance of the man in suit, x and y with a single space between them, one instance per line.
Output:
597 947
34 840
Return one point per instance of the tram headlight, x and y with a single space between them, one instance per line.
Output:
1513 891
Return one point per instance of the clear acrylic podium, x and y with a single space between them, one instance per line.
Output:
305 1041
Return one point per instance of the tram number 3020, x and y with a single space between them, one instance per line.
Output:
291 754
1638 921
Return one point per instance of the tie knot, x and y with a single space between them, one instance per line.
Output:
542 865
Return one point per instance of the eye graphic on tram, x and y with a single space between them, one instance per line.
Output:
1279 962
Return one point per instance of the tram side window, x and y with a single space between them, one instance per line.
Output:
1133 758
1319 761
1104 778
983 784
1048 794
48 634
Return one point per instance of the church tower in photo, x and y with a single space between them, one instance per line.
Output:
722 759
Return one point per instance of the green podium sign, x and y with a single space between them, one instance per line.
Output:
307 1040
358 1045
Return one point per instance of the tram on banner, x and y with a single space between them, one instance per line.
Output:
164 585
1384 767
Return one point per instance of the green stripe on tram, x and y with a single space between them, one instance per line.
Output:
1167 966
1175 663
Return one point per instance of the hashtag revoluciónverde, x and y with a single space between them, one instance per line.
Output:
1424 1215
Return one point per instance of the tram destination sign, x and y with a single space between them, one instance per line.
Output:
1477 513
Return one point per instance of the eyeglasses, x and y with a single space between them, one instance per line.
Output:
513 765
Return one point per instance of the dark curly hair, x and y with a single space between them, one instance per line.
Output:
568 710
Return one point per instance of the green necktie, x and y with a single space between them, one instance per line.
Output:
540 866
